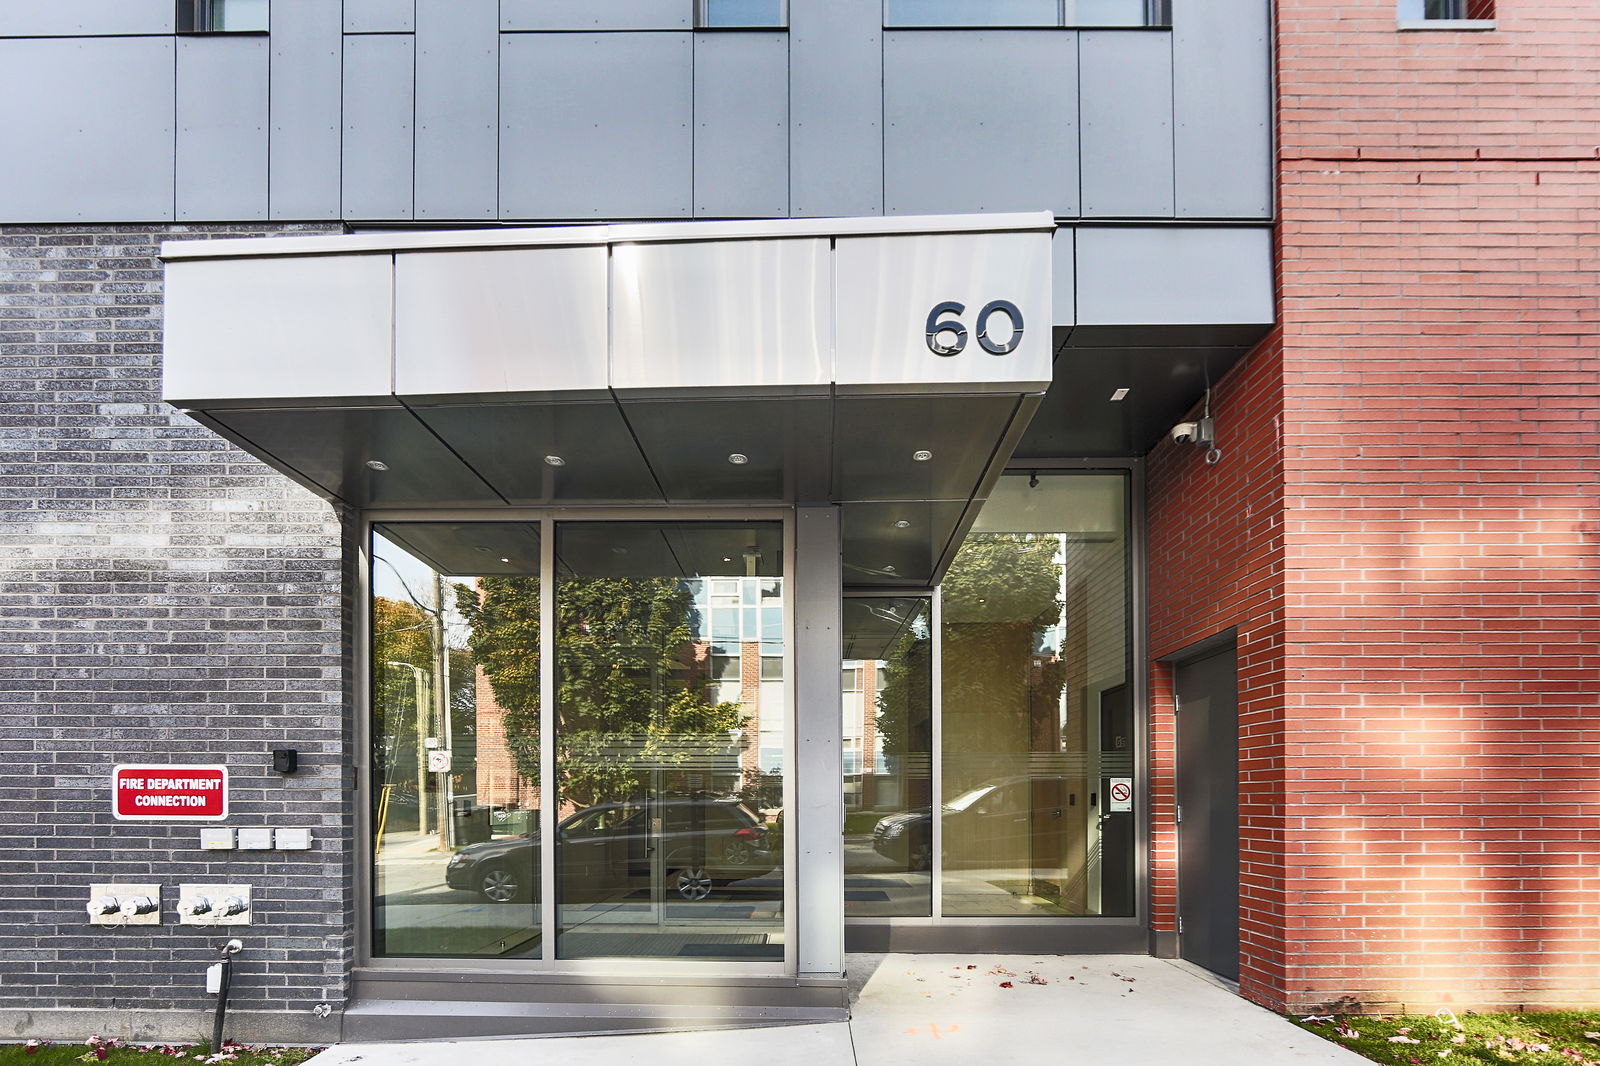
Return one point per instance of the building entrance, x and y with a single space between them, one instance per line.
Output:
989 732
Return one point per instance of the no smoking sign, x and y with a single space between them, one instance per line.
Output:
1120 794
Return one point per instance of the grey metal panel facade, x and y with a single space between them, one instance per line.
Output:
593 15
99 141
1125 85
378 108
458 98
85 18
221 168
596 125
980 121
1139 275
1222 90
303 169
741 125
836 108
1064 277
379 16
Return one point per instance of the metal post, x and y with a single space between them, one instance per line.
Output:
818 818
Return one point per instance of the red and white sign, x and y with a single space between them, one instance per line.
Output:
169 793
1121 794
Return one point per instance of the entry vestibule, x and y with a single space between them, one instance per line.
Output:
613 487
1004 701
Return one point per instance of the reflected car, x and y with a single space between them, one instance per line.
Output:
984 823
606 852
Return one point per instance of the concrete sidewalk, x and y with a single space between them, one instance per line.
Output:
934 1010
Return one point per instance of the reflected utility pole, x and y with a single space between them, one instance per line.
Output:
419 682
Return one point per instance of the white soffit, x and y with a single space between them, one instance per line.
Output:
774 307
721 314
512 320
275 327
996 286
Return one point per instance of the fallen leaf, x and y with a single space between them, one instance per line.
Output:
1005 984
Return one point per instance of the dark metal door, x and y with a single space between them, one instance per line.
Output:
1208 805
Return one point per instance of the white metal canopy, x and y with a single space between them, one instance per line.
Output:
674 363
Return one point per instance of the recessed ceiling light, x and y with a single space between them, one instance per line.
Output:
888 568
377 464
1119 395
922 455
503 559
902 524
738 458
554 460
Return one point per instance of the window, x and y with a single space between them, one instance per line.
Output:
222 16
1446 14
1027 13
742 14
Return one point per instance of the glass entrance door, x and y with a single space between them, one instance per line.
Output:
989 768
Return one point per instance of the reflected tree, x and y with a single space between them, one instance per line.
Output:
630 687
1000 687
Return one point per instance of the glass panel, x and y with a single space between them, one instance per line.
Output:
967 13
239 16
888 731
670 837
1037 714
455 739
1116 13
743 13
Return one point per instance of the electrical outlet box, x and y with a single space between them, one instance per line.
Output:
124 904
292 839
255 840
214 904
217 839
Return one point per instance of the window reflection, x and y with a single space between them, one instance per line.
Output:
1036 715
670 726
455 739
888 737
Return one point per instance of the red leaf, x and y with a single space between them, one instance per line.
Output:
1005 984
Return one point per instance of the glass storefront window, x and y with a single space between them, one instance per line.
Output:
1036 708
455 728
887 729
670 835
667 799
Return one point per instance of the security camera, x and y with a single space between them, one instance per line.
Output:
1199 432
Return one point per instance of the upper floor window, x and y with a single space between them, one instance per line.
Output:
1026 13
1435 14
222 16
741 14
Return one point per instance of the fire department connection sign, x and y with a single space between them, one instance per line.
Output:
172 793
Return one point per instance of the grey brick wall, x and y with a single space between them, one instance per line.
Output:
163 597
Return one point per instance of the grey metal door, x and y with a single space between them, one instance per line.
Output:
1208 805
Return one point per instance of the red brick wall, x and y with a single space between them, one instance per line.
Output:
1434 833
1215 546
